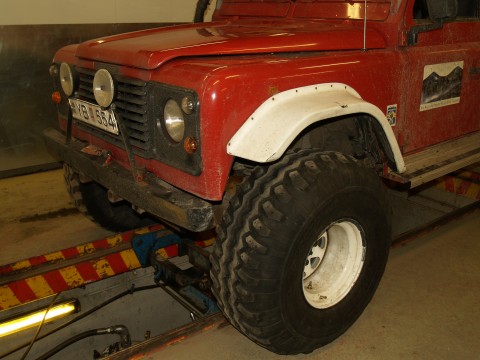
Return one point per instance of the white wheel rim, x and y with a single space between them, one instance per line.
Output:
333 264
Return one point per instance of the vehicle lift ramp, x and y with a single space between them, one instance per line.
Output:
46 275
42 276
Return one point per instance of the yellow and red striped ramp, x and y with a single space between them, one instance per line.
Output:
465 183
45 275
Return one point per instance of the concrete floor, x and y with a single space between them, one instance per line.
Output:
36 215
427 305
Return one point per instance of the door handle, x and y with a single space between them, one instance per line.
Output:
474 71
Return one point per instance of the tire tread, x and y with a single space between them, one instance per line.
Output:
264 198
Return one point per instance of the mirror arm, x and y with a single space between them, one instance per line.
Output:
413 32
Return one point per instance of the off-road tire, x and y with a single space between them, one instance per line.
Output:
266 234
91 199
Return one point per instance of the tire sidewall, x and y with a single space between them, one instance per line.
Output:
355 204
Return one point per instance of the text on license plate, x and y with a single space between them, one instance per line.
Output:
94 115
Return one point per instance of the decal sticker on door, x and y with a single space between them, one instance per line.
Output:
392 114
442 85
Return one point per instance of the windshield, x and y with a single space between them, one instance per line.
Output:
378 10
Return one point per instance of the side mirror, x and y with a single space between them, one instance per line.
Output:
439 11
442 10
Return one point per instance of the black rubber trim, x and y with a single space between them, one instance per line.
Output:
152 195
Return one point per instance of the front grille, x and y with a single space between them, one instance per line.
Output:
131 103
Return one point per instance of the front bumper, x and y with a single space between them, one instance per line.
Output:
153 196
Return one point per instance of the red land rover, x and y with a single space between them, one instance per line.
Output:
279 124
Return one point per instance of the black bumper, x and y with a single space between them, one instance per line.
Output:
152 195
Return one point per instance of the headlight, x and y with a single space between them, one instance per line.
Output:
103 88
174 121
53 70
188 105
68 79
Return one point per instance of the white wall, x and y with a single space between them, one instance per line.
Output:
34 12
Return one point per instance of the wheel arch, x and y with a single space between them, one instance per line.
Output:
269 130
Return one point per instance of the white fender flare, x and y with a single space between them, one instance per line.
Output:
270 130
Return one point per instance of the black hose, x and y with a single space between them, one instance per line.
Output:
68 342
117 329
200 10
92 310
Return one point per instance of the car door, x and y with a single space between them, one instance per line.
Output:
443 82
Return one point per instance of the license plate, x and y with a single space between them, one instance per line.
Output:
94 115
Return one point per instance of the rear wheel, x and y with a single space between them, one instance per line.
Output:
91 199
301 250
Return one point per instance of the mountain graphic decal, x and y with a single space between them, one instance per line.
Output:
442 85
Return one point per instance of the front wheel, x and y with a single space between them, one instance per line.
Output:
301 250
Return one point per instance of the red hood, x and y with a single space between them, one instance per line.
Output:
148 49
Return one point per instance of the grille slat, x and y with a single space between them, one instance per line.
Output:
131 103
86 94
142 110
131 90
137 127
131 81
135 118
139 144
137 100
137 135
